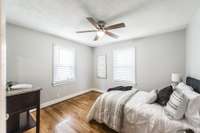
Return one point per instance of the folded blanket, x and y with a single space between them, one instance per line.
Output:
109 108
120 88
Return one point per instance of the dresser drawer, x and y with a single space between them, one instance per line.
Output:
18 103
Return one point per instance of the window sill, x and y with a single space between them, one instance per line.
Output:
124 82
63 83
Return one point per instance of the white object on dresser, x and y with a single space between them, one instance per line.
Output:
21 86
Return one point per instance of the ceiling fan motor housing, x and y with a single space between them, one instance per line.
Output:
101 24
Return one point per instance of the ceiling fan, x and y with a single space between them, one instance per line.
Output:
101 29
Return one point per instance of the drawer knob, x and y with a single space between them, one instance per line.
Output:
7 116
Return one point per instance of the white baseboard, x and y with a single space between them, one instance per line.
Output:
97 90
46 104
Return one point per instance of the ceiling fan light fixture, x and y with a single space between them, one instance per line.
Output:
100 33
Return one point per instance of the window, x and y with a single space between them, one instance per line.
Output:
63 64
124 65
101 67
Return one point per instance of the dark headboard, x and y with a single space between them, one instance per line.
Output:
194 83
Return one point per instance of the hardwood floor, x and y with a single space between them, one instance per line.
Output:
70 117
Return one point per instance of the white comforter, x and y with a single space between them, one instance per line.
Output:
140 117
149 118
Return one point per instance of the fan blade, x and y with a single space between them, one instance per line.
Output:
93 22
84 31
112 34
96 38
115 26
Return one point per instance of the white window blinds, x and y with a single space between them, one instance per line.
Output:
124 65
101 67
63 64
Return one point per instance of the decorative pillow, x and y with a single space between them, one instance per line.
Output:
152 96
176 105
164 95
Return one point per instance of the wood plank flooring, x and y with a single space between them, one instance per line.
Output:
70 117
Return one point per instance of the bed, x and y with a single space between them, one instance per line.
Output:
132 116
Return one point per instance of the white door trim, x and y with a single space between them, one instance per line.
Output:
2 68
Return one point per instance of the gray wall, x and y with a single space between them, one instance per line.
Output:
156 58
193 47
29 59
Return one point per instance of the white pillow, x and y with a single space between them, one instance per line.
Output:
187 90
192 113
183 87
143 97
176 105
152 96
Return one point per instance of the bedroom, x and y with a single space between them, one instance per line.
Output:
155 45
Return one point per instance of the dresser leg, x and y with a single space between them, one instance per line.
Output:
38 119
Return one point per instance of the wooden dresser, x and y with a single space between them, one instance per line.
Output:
19 103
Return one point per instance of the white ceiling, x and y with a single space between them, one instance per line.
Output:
64 17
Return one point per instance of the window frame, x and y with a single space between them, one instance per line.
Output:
134 66
57 83
99 77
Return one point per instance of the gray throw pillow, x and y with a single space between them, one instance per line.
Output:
163 95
